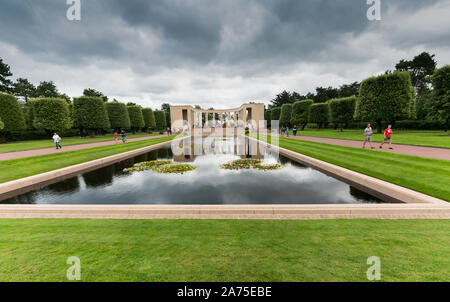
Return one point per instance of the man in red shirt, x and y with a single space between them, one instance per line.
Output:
388 137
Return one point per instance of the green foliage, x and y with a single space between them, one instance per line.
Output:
90 113
11 114
136 118
46 90
160 119
168 121
2 125
50 114
342 110
149 118
319 114
95 93
118 115
23 88
247 164
300 113
268 117
386 97
440 104
421 69
276 112
286 115
5 73
162 167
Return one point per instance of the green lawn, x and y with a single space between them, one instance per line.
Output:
412 137
23 167
224 250
426 175
66 141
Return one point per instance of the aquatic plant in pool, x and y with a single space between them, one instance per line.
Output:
161 166
247 164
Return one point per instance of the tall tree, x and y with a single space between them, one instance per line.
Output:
95 93
149 118
342 111
319 114
421 69
300 113
281 99
286 115
136 118
165 107
325 94
46 90
5 73
24 88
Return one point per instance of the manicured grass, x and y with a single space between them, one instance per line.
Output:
224 250
38 144
412 137
23 167
426 175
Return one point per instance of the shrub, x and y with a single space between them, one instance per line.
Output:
149 118
160 119
342 110
275 113
168 121
319 114
11 114
50 114
386 97
286 115
118 115
2 125
440 104
300 113
90 113
268 117
136 118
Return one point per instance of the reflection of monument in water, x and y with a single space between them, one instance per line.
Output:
243 147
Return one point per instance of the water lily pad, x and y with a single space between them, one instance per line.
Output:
161 166
246 164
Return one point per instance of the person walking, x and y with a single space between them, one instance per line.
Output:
124 136
295 130
57 140
287 131
116 135
368 136
388 137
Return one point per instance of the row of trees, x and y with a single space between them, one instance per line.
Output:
388 97
421 69
85 113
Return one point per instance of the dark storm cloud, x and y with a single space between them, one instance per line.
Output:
188 32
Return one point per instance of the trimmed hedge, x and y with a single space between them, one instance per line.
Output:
342 110
268 117
160 118
276 112
441 94
50 114
29 135
386 97
90 113
11 114
300 113
118 115
136 117
319 114
286 115
149 118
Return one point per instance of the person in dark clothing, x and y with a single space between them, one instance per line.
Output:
124 136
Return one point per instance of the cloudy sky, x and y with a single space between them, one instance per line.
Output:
215 53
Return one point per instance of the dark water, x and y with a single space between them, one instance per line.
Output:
293 184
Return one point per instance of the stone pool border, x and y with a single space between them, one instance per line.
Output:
35 182
416 205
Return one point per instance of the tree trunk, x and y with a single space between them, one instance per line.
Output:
379 126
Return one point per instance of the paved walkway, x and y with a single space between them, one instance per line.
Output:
35 152
438 153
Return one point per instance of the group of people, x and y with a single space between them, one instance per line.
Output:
123 134
285 131
387 137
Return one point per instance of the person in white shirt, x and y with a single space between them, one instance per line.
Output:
57 140
368 136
